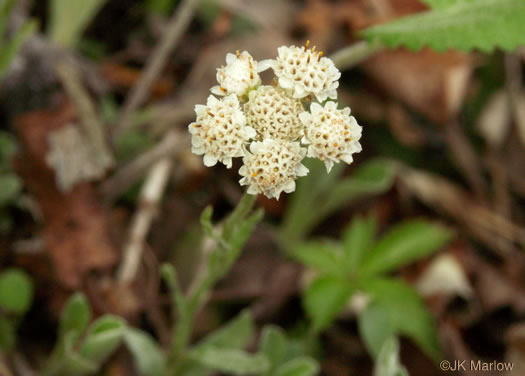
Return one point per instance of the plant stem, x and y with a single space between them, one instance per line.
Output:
208 274
150 196
178 24
350 56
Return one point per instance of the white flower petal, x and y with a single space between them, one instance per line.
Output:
265 65
285 83
209 160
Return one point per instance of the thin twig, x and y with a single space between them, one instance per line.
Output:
350 56
92 126
179 22
130 173
150 196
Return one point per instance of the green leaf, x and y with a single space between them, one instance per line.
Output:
387 363
178 300
303 366
73 363
239 237
404 244
8 52
442 4
160 6
149 358
206 223
234 335
132 142
16 291
69 18
465 25
7 334
7 148
324 299
299 217
273 344
358 237
232 361
406 312
6 6
103 338
375 327
321 194
371 177
10 187
321 255
75 316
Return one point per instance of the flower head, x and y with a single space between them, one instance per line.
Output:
274 114
305 71
238 76
272 167
220 130
331 134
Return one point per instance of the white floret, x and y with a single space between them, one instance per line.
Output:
304 71
332 135
238 76
274 114
272 166
220 131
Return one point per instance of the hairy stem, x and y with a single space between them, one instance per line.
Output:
350 56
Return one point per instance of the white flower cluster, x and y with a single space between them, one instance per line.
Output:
273 128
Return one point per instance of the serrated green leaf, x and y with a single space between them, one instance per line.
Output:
387 363
442 4
103 337
358 238
69 18
303 366
324 299
273 344
232 361
403 244
324 256
10 187
75 316
149 358
16 291
406 313
480 24
7 334
234 335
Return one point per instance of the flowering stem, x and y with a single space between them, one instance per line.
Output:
350 56
214 267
